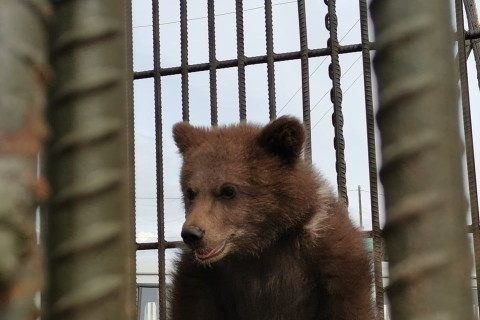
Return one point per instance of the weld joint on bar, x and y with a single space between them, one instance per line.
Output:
472 34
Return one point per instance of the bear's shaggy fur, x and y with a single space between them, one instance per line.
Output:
267 238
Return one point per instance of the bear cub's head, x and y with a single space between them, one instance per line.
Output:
243 186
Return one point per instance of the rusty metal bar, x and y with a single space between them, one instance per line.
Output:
130 132
184 57
472 18
242 98
472 34
336 98
270 59
24 76
418 122
212 63
162 291
154 245
467 127
179 244
87 243
278 57
302 21
372 163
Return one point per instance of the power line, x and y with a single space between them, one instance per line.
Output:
311 74
345 92
361 190
344 74
217 15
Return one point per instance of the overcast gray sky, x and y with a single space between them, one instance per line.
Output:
288 97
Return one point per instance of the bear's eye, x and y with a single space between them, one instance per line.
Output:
190 194
228 192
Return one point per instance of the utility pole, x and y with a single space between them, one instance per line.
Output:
360 206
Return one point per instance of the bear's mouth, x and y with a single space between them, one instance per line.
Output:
209 253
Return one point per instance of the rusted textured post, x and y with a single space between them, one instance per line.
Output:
184 57
213 63
87 244
430 261
161 245
242 97
302 24
24 75
468 135
372 163
130 132
472 18
270 59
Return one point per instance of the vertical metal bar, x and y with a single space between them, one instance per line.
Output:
162 292
87 246
360 213
472 18
242 100
184 58
467 127
429 255
336 98
24 74
302 21
131 222
270 59
213 63
372 163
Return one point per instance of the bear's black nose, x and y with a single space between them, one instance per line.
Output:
192 235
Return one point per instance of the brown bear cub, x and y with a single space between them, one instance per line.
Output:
267 238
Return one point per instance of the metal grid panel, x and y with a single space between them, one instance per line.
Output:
333 49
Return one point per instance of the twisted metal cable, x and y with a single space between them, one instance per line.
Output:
24 77
87 246
336 98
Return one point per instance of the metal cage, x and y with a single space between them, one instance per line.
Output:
72 76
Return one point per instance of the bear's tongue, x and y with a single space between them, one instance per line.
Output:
207 253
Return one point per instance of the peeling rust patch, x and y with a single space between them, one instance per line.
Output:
28 140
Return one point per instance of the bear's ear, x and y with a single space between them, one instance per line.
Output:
187 136
283 137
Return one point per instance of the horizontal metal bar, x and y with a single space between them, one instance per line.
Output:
472 34
154 245
179 244
286 56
